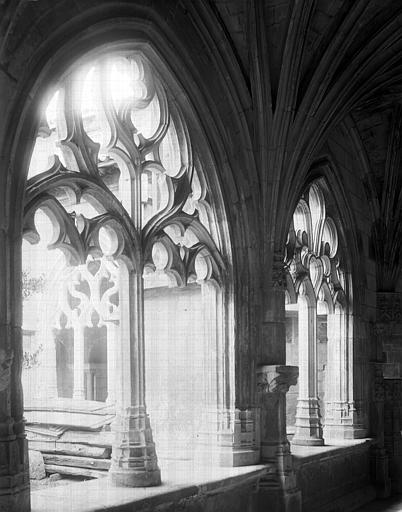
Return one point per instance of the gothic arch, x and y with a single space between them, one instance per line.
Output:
329 176
47 69
317 231
94 28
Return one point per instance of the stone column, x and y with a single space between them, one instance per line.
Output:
228 434
79 360
113 341
237 427
206 448
337 419
211 342
273 382
14 477
134 461
341 420
335 375
308 424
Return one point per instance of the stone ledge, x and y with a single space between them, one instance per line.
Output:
182 481
302 454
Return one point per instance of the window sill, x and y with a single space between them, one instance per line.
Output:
303 453
180 480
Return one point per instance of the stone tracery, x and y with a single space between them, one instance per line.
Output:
317 312
121 190
312 248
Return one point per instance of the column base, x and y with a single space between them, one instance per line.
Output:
342 421
220 450
238 442
307 441
236 457
230 439
308 424
134 461
130 478
343 432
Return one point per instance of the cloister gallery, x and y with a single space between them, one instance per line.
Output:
200 226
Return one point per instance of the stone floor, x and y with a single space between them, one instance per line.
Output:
393 504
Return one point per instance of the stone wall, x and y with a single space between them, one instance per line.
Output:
389 328
230 492
335 480
388 417
392 430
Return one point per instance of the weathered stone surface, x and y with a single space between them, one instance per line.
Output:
36 465
55 477
321 477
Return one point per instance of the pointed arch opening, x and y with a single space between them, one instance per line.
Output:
319 321
138 330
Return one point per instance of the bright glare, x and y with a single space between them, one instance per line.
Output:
89 100
125 82
52 113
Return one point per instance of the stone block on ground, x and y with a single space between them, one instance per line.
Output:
36 465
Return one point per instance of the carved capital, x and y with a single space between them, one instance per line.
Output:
278 272
276 378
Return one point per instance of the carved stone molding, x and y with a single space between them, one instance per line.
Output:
278 272
237 437
276 378
378 382
388 307
379 330
6 359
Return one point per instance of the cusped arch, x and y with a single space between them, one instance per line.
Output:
215 251
70 49
96 28
338 231
321 267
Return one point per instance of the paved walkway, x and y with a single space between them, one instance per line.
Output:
393 504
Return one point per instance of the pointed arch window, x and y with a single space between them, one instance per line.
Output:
318 331
118 190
